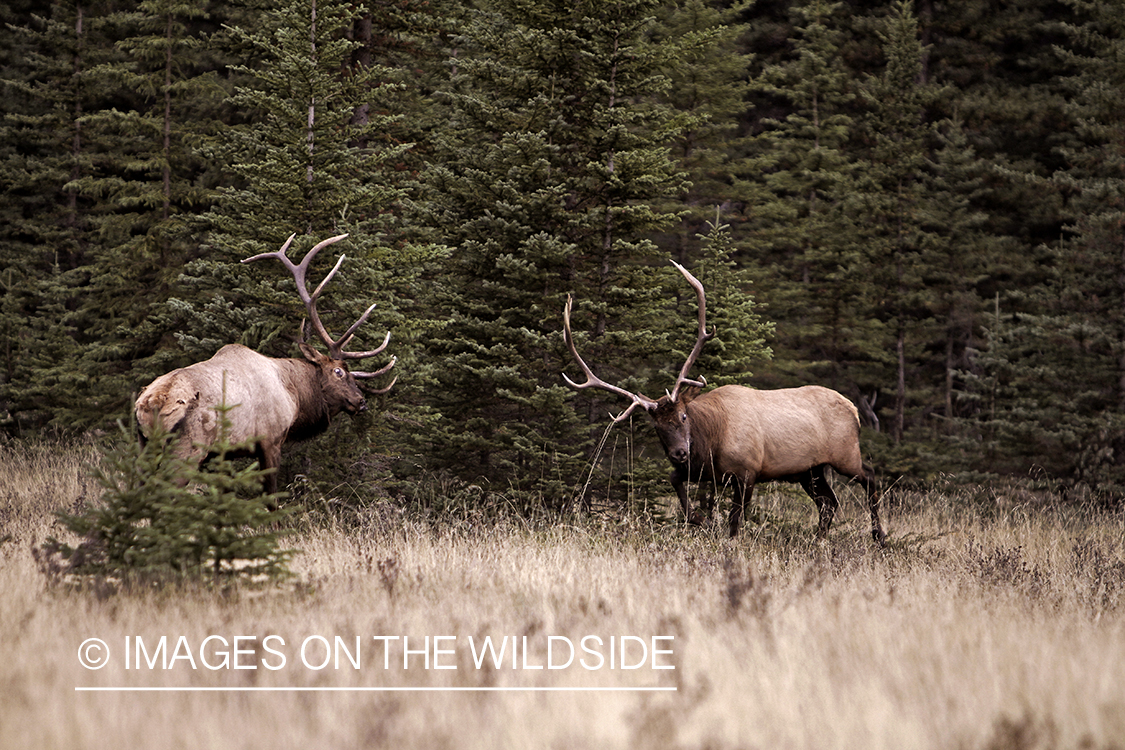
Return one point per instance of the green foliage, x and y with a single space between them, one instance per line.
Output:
885 171
547 182
796 174
741 333
164 520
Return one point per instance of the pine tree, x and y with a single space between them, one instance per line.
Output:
152 178
709 85
958 259
298 162
1090 302
49 238
739 344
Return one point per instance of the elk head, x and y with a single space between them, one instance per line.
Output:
669 412
338 383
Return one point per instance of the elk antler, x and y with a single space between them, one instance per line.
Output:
592 380
335 346
701 338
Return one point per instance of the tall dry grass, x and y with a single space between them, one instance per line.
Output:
996 623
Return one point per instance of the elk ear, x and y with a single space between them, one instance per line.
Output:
688 394
312 355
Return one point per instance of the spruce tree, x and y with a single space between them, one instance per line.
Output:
49 237
163 520
888 199
958 259
545 185
739 346
1087 314
709 86
155 181
316 156
796 174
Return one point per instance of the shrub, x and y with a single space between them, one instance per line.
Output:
162 519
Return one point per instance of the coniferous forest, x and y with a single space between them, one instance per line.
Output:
918 203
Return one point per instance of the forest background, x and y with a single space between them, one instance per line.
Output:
918 204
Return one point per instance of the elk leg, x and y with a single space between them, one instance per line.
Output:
743 490
679 479
872 488
193 454
816 485
269 458
709 494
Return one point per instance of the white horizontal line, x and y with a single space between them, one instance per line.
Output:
371 689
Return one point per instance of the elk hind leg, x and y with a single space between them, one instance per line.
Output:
815 483
269 458
871 486
866 477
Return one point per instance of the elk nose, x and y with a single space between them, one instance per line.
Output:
679 455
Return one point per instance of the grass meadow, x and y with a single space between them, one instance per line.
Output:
995 619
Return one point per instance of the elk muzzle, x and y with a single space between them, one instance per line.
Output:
356 405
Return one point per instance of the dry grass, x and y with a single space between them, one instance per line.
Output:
984 625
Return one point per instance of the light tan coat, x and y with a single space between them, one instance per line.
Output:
745 436
273 400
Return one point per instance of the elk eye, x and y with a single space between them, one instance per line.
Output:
683 417
338 372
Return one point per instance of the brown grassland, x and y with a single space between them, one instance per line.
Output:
994 619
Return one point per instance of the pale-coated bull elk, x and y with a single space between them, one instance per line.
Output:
274 400
745 436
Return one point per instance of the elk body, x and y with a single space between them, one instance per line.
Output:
745 436
274 400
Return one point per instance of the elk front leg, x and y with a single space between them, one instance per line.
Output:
743 490
679 479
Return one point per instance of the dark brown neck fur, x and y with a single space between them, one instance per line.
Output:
302 379
708 419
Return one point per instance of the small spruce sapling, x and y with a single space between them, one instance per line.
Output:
165 520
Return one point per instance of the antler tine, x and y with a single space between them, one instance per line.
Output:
385 388
299 271
335 268
348 334
381 371
336 347
701 338
592 380
364 355
279 254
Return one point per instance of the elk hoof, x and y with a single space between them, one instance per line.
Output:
696 518
880 536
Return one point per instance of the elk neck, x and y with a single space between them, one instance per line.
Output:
707 418
302 380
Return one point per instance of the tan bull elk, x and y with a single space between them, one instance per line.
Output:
745 436
274 400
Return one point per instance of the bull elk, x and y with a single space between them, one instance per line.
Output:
275 400
746 436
